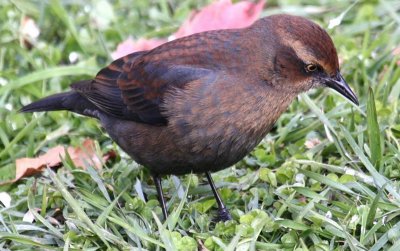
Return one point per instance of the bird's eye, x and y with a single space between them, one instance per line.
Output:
311 67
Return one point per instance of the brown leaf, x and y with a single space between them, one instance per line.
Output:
85 155
80 156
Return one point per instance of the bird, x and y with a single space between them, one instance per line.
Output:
201 103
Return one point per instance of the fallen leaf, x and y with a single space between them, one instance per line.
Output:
80 156
221 14
129 45
85 155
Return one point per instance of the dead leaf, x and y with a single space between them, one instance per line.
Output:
129 45
222 14
85 155
80 156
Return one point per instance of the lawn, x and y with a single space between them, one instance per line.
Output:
325 178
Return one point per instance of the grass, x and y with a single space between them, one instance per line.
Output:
325 178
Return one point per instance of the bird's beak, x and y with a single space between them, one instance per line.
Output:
339 84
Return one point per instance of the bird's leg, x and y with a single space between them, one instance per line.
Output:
223 213
157 182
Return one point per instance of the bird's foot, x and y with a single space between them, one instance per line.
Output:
223 215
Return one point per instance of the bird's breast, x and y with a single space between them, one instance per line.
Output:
221 122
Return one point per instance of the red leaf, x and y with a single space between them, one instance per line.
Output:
222 15
128 46
218 15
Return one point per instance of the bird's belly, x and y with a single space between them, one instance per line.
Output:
215 147
166 152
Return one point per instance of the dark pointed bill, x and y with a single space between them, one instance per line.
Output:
339 84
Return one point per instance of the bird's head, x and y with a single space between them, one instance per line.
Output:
305 56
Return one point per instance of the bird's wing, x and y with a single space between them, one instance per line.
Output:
133 87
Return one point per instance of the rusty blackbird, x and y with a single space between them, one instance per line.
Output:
201 103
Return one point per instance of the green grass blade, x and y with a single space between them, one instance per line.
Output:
293 225
385 238
135 229
373 208
77 208
165 235
395 246
24 239
379 179
62 14
374 135
38 217
96 177
29 127
174 216
52 72
309 193
327 181
107 211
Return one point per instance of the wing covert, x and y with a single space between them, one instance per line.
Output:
133 88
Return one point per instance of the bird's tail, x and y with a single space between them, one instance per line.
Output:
54 102
70 101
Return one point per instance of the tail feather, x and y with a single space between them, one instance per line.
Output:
70 101
50 103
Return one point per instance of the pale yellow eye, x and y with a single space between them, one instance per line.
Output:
311 67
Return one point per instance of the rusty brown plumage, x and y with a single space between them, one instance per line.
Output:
202 102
